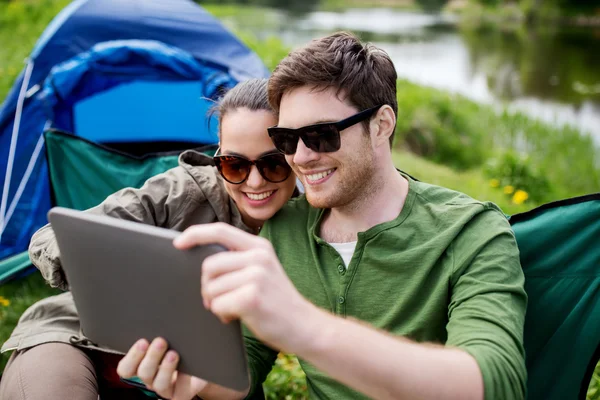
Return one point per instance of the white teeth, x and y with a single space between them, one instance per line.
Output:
320 175
259 196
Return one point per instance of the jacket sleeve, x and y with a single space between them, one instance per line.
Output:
487 304
161 201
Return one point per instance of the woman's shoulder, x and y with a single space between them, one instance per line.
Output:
201 169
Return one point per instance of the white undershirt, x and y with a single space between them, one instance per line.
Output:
345 250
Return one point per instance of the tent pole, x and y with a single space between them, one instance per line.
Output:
13 145
25 179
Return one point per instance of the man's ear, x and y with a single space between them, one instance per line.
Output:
383 125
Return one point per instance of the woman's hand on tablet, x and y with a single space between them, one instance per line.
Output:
157 368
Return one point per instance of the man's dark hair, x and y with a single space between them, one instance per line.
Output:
363 73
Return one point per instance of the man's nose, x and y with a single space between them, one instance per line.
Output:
255 179
303 154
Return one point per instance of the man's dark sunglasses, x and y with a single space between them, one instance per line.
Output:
322 138
236 169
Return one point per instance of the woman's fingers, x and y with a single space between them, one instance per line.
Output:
129 364
220 233
157 368
164 381
148 368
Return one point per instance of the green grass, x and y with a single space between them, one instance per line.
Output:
21 23
471 182
20 295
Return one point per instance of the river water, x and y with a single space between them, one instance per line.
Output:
551 73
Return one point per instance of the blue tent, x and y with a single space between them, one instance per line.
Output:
116 72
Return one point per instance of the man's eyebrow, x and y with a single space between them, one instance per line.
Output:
317 122
324 121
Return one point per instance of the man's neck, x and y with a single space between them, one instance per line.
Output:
382 203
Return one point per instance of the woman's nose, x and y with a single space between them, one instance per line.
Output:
255 179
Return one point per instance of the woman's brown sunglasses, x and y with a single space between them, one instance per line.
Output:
236 168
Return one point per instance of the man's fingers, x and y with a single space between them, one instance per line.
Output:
220 233
222 284
164 381
149 365
233 305
129 364
229 261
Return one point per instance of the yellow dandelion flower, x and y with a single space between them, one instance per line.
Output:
494 183
4 301
508 189
520 197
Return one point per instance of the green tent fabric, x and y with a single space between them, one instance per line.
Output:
14 266
560 256
84 173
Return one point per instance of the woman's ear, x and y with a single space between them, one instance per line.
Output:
385 123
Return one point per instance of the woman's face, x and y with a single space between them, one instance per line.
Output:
244 132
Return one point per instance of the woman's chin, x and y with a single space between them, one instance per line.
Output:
259 217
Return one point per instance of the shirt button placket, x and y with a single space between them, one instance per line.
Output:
341 309
341 305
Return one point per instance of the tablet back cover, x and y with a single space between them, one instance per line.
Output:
129 282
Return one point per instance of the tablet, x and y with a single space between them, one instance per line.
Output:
129 282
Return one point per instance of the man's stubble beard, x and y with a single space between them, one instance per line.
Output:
357 183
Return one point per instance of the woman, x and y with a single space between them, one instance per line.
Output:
52 359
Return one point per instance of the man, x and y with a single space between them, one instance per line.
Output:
383 286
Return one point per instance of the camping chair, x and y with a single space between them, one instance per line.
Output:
83 173
560 255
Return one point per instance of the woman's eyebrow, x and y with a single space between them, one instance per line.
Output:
268 152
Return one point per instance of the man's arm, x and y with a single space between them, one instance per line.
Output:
387 367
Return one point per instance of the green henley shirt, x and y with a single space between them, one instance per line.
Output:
445 271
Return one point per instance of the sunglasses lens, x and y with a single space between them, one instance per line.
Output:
233 169
274 168
324 139
285 142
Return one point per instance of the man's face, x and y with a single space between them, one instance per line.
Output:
335 179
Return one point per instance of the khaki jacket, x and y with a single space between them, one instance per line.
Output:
192 193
